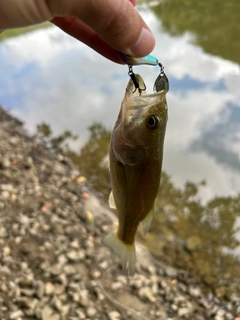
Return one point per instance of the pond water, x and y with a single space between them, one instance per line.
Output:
47 76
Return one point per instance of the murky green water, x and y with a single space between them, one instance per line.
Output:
49 77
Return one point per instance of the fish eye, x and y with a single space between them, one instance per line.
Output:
153 122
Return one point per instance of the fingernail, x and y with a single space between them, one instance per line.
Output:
144 44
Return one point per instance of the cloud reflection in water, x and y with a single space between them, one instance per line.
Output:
48 76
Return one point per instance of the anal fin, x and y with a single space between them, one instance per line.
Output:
146 223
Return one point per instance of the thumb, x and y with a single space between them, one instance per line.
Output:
115 21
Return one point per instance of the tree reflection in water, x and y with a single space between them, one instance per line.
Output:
214 24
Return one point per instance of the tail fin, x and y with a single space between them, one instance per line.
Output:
125 252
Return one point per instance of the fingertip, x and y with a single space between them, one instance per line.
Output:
144 45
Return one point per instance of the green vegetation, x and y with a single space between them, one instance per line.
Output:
9 33
215 24
192 236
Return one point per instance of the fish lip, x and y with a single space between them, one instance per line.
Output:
136 101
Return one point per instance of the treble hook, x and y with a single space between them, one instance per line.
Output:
135 81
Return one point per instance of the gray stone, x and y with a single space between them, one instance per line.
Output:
114 315
54 316
75 255
174 307
194 291
6 163
16 314
80 313
49 288
3 232
5 194
183 312
5 270
56 303
83 295
6 251
40 289
46 312
116 286
27 292
91 312
171 272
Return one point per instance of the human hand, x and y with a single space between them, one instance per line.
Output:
107 26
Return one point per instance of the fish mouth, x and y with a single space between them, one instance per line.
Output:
137 98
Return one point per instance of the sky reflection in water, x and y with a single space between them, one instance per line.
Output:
48 76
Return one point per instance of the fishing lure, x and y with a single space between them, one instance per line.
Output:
133 61
161 83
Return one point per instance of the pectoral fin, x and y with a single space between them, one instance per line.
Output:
111 201
147 222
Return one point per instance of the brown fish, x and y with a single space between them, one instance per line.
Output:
135 161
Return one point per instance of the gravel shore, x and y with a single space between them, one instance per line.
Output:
52 263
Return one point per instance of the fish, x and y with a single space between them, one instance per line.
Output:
135 164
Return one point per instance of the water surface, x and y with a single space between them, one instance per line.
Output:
47 76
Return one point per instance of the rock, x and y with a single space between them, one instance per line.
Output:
80 313
171 272
3 232
116 286
14 140
56 269
46 313
5 194
5 163
4 270
183 312
49 288
114 315
91 312
194 291
69 269
16 314
59 289
174 307
40 289
75 255
6 251
54 316
27 292
220 315
83 296
3 287
152 270
56 303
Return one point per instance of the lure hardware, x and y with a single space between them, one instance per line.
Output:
135 81
133 61
161 82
